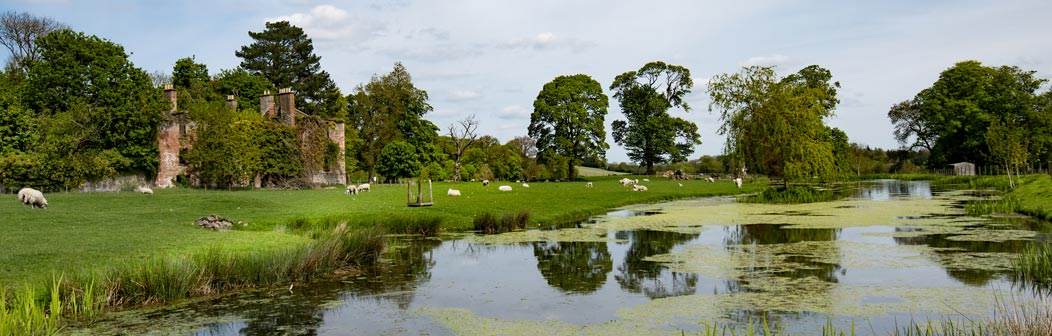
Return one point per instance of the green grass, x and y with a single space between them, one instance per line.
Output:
490 223
92 230
793 195
1034 194
1034 266
583 171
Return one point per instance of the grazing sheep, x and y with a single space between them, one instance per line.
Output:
453 192
680 184
588 185
710 179
32 197
646 180
639 187
738 182
364 187
625 182
351 189
504 188
524 185
144 190
485 183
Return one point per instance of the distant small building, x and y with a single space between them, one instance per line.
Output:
963 169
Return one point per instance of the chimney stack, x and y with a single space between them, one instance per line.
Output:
266 104
231 103
171 95
286 106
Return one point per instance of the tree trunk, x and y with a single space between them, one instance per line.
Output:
456 170
570 172
650 168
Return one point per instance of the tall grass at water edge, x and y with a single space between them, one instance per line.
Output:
792 195
31 311
490 223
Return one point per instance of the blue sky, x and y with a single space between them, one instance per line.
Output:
490 58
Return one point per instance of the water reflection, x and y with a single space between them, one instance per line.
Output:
573 267
883 190
639 276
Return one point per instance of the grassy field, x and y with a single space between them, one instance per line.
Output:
86 230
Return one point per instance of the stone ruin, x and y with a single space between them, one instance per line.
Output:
177 134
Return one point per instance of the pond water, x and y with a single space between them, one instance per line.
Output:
894 252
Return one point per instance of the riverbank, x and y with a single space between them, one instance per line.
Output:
83 232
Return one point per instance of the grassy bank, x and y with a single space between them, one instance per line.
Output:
91 230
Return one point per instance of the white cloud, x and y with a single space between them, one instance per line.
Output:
327 22
464 94
547 41
772 60
513 112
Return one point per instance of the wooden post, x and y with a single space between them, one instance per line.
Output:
430 192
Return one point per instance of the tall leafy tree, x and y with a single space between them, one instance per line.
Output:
18 33
246 87
186 71
387 109
398 159
1008 146
285 56
953 115
567 120
82 74
775 126
650 134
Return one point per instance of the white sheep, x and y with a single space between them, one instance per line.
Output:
485 183
639 187
710 179
680 184
453 192
32 197
524 185
351 189
504 188
738 182
144 190
646 180
364 187
625 182
588 185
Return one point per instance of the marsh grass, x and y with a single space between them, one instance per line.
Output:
1034 266
490 223
1005 205
792 195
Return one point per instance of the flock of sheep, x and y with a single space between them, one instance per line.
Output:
355 189
624 182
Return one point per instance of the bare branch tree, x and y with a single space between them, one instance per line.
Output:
463 136
18 32
526 146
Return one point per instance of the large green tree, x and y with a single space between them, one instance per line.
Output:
387 109
568 117
246 87
649 133
118 108
953 115
775 126
285 56
398 159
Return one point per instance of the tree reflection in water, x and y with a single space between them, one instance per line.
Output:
760 267
573 267
639 276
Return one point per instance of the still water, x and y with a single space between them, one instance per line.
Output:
894 252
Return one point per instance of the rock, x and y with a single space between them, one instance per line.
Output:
213 222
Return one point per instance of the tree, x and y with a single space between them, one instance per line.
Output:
909 124
775 126
462 138
398 160
76 73
246 87
387 109
18 32
568 117
285 56
1008 146
186 71
650 134
953 115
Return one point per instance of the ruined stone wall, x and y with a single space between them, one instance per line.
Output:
169 142
337 172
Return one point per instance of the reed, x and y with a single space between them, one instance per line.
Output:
1034 266
490 223
1005 205
792 195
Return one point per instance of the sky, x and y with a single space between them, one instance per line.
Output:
490 58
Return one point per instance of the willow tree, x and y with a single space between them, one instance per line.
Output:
1007 144
649 133
567 120
776 126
